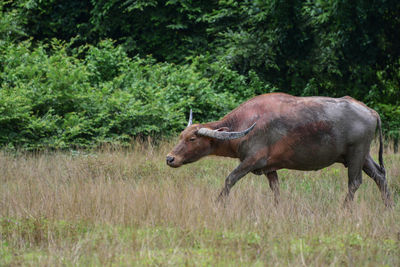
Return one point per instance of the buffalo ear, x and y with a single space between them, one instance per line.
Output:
223 129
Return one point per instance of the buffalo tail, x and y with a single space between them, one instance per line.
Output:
381 146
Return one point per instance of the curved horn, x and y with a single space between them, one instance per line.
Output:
224 135
190 118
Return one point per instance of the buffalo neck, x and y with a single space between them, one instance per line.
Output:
223 148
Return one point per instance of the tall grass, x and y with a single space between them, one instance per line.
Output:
126 207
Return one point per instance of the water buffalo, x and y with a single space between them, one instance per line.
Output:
276 131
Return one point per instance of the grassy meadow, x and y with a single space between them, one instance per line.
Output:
128 208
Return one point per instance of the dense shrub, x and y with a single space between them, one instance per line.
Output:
92 91
52 98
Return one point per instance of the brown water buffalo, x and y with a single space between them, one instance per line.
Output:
279 131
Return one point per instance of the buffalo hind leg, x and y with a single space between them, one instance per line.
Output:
355 163
274 184
374 171
355 180
244 168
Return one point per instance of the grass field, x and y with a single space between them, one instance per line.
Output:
127 208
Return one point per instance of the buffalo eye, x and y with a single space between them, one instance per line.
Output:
192 139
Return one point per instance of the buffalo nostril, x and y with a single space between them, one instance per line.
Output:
170 159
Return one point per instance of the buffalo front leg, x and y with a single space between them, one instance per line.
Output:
244 168
274 184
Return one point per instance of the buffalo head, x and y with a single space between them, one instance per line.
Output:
197 141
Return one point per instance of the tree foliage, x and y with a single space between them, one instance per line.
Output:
78 73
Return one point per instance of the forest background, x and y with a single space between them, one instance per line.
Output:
81 73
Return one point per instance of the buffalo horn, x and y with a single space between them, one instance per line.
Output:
190 118
224 135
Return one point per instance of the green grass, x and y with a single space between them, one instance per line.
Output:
127 208
162 245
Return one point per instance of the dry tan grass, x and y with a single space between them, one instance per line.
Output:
117 207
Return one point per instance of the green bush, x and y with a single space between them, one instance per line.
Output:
387 102
53 96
